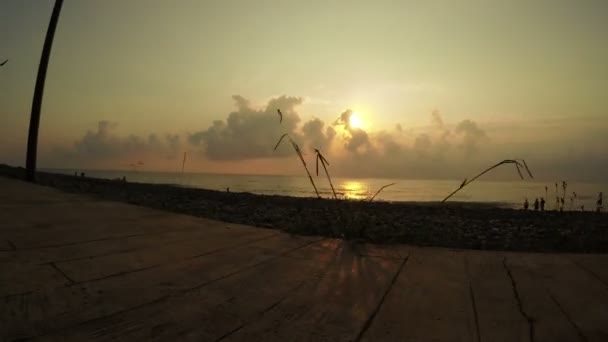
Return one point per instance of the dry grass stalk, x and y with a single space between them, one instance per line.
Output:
556 198
183 167
280 115
380 190
325 163
519 164
563 198
301 156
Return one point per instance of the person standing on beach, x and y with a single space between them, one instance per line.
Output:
526 204
542 204
536 204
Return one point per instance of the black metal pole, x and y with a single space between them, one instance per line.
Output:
32 138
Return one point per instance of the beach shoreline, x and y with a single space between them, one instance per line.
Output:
466 225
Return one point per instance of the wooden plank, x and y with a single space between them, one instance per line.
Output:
596 265
17 278
496 304
74 231
223 306
61 211
6 246
16 192
334 309
324 250
581 298
383 251
99 267
152 231
105 247
50 310
549 322
430 301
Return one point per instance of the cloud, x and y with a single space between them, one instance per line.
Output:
103 144
317 135
423 144
437 120
417 154
248 133
356 140
344 119
472 135
441 132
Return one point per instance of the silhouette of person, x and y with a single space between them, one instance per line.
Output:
536 204
542 204
526 204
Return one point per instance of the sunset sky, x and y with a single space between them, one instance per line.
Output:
440 88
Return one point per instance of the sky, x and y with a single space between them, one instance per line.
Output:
404 89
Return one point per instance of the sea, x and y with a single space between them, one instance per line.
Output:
500 193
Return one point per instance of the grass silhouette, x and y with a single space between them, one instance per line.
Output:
519 164
325 163
380 190
301 156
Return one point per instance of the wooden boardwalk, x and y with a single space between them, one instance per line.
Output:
76 268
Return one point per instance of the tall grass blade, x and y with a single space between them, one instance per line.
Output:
527 169
325 163
299 152
380 190
183 166
518 170
464 182
184 162
279 142
506 161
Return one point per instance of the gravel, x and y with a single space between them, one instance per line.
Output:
454 225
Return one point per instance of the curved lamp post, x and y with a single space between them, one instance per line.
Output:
32 138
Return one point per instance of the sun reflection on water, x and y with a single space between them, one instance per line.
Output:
353 189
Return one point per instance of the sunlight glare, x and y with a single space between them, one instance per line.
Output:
353 189
355 120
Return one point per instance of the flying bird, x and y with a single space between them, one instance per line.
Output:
2 64
280 115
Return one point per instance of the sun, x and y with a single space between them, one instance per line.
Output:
355 120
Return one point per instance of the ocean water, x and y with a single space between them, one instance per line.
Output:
504 193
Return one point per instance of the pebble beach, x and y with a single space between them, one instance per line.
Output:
452 225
